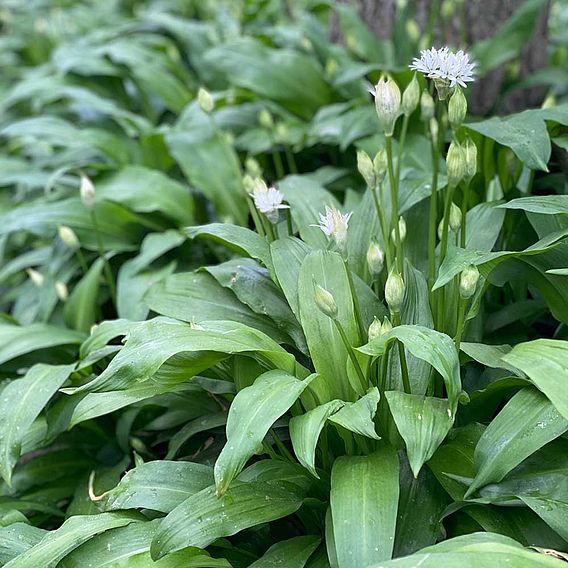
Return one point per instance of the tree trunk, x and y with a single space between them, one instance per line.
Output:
483 18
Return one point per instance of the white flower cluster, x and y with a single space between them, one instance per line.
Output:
334 224
268 200
443 64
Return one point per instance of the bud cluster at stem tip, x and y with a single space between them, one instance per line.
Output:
468 281
455 164
325 301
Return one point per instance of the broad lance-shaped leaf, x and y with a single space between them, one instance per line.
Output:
552 511
16 538
195 297
204 517
364 504
432 346
80 310
327 350
20 404
158 485
16 340
251 415
545 361
423 422
201 424
306 429
235 238
292 553
151 343
508 440
358 416
129 547
479 550
76 530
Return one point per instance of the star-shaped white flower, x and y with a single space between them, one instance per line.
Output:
268 200
443 64
334 224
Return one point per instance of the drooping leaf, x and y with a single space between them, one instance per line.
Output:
364 504
506 442
76 530
482 550
204 517
194 427
306 429
545 362
292 553
22 401
422 421
158 485
16 340
251 415
358 417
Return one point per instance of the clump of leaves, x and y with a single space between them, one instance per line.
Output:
373 375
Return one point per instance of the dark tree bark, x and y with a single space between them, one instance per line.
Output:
484 18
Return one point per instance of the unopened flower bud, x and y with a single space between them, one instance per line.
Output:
413 30
457 108
401 230
387 103
265 119
455 164
375 259
387 325
470 153
61 290
380 164
427 107
250 183
325 302
374 329
434 129
205 100
35 276
282 132
68 237
549 101
468 281
440 229
394 291
366 168
252 168
455 218
410 97
87 192
331 68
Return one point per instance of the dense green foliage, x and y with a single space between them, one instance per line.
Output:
179 389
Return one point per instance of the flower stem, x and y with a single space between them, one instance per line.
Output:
356 305
394 203
433 217
402 355
289 223
82 261
465 199
278 166
401 143
102 253
351 353
255 217
290 159
461 322
383 224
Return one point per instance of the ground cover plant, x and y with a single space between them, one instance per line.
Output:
270 299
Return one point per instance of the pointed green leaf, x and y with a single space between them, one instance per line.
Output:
292 553
545 361
76 530
359 416
251 415
306 429
364 504
158 485
423 422
21 403
507 441
203 518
